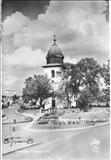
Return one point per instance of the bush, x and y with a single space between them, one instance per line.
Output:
3 115
28 118
22 106
20 110
4 106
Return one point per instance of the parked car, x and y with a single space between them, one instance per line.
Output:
30 140
21 140
7 139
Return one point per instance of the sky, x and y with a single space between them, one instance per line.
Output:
28 28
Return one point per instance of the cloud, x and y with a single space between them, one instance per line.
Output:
12 83
19 65
9 80
70 60
14 23
77 24
81 29
25 56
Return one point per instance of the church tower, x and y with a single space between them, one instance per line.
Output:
54 61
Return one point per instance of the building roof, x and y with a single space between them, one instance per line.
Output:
54 51
52 65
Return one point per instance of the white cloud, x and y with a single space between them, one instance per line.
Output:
14 23
77 24
25 56
70 60
9 80
81 29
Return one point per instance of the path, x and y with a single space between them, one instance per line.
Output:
89 144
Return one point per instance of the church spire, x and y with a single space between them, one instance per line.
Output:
54 44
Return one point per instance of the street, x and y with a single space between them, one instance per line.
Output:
88 144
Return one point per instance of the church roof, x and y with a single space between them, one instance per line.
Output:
52 65
54 51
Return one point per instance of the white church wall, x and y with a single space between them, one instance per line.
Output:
48 103
54 80
48 70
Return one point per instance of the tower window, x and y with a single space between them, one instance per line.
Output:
53 103
53 73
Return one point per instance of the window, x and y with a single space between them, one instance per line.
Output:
53 103
53 73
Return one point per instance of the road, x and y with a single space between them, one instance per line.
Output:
88 144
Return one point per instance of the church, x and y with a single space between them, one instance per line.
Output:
52 69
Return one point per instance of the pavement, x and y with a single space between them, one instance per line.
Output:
6 148
90 144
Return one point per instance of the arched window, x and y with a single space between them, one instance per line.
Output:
53 73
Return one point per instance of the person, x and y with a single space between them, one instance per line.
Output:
30 140
6 140
8 103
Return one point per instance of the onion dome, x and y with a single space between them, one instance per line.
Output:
54 54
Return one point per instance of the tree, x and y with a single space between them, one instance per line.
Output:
106 75
106 72
64 92
78 77
38 88
15 97
85 99
90 72
85 75
28 90
106 11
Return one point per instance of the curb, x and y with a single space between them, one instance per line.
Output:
69 129
17 122
34 144
25 121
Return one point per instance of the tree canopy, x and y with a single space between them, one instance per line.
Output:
38 88
106 76
81 80
64 92
15 97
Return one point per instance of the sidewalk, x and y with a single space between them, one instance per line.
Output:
27 118
6 148
31 115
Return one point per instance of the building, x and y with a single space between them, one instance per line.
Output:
52 69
